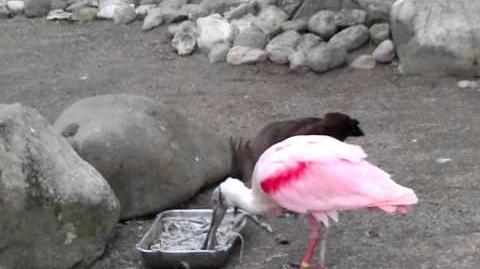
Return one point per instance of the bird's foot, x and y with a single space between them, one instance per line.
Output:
264 225
320 266
305 265
302 265
294 265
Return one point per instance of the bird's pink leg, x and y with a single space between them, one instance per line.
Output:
314 238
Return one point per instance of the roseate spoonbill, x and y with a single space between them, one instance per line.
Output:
312 175
246 153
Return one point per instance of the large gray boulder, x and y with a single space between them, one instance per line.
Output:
310 7
300 25
212 30
4 12
309 41
15 6
326 56
379 32
184 39
252 37
58 4
241 10
244 22
378 10
350 17
270 20
351 38
158 16
216 6
218 53
298 59
323 24
107 8
283 45
37 8
124 14
437 37
56 210
290 6
152 156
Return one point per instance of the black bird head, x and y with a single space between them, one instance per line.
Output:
341 126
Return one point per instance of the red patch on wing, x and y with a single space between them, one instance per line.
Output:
276 181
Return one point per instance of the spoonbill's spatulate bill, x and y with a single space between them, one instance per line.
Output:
316 176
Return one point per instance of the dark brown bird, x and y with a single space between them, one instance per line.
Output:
245 153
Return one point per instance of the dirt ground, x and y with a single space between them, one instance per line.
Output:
411 122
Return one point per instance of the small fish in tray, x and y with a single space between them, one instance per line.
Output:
181 233
175 239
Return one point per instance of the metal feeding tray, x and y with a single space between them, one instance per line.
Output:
169 250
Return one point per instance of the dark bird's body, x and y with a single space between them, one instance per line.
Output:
246 153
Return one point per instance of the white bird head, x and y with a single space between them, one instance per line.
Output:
223 197
228 192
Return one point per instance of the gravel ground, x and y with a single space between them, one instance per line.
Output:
411 123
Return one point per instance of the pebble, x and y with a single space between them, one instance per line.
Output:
363 62
443 160
244 55
16 6
218 53
85 14
463 84
282 240
372 234
385 52
59 14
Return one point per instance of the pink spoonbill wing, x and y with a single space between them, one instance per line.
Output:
322 175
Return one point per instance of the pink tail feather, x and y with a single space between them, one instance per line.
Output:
402 205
